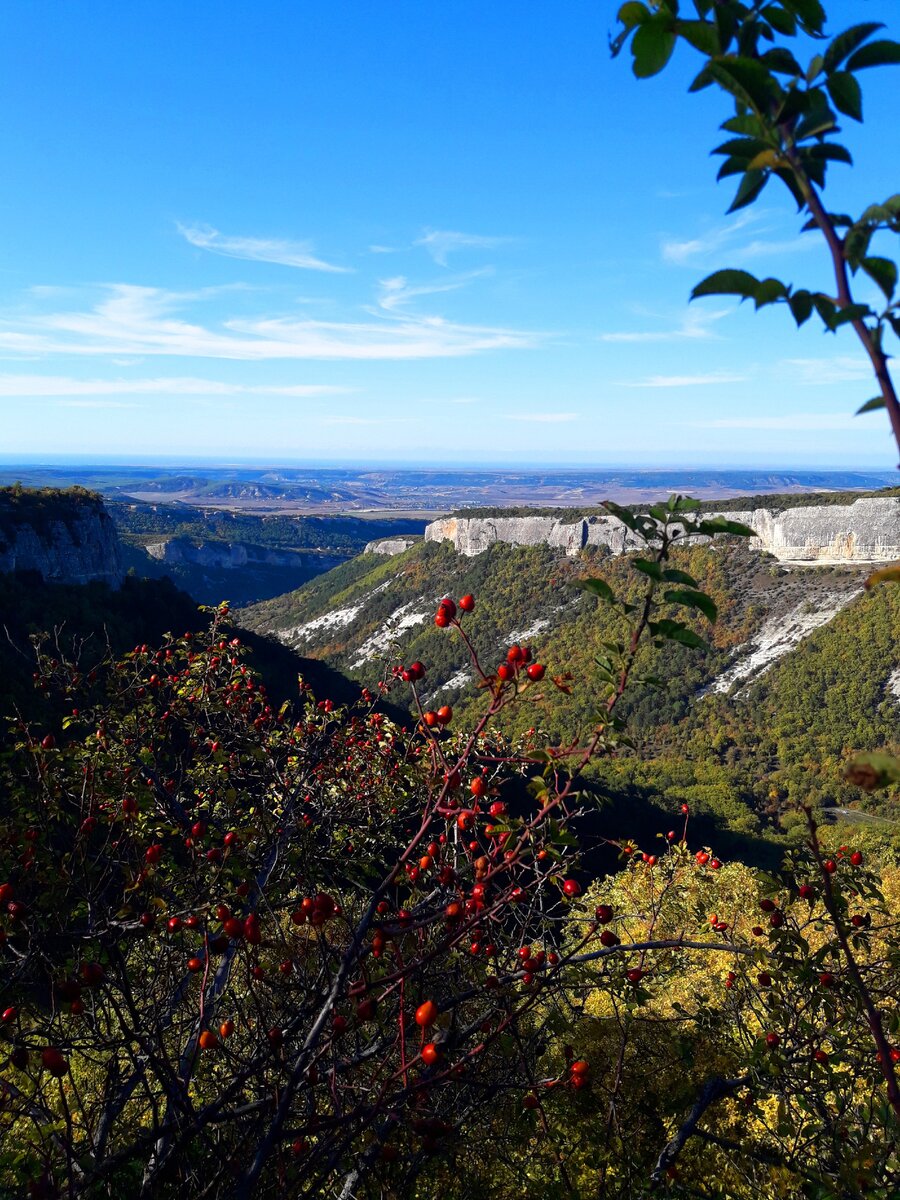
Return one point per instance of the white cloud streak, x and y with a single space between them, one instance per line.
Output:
268 250
820 372
545 418
727 238
695 326
678 381
440 243
133 320
807 422
60 385
397 292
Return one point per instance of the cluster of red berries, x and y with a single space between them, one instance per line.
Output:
447 609
519 658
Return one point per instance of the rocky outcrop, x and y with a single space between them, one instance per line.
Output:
473 535
389 546
65 539
221 555
865 531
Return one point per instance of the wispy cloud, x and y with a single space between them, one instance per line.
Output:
95 404
133 320
269 250
819 372
365 420
678 381
729 237
397 292
694 326
808 422
545 417
61 385
440 243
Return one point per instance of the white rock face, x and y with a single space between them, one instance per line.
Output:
77 549
781 634
389 546
473 535
397 623
866 531
225 555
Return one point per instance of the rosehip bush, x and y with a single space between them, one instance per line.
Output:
249 948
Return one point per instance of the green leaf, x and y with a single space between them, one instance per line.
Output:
810 12
846 94
781 21
769 291
856 244
751 186
727 283
747 80
780 59
648 567
815 68
652 47
693 599
871 405
850 313
885 575
715 525
883 272
830 151
845 43
702 35
633 13
597 587
673 575
743 147
872 771
876 54
801 306
676 631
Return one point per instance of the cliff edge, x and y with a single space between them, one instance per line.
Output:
66 536
864 531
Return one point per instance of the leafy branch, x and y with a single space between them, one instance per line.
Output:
785 126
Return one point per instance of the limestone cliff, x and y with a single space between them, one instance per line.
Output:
65 536
178 551
867 530
389 546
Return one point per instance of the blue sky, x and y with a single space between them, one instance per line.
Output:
405 231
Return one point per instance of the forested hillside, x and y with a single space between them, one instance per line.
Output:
803 657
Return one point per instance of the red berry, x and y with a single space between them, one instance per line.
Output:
430 1054
536 671
426 1014
467 602
603 913
448 606
856 858
445 714
416 670
55 1063
571 887
773 1040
